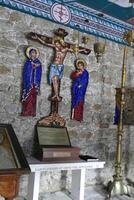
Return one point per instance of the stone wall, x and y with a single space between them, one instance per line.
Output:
96 135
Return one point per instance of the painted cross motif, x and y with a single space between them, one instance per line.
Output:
60 13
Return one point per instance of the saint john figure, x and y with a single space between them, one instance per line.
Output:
79 85
32 72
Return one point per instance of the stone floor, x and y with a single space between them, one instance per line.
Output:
91 193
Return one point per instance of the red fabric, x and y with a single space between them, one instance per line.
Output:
74 75
29 106
78 112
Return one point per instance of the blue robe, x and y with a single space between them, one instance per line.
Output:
31 86
79 87
31 77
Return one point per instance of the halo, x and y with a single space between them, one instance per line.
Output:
58 39
81 60
29 49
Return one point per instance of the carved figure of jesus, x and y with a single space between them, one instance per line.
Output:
57 67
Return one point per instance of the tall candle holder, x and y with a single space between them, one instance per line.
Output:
118 187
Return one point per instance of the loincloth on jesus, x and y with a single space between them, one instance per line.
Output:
55 70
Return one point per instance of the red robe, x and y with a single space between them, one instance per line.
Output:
29 106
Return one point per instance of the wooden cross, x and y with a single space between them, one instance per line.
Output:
61 49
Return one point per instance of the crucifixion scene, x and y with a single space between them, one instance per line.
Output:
61 48
67 99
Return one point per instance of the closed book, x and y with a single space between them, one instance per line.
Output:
88 158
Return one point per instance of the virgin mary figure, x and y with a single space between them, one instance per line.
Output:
32 72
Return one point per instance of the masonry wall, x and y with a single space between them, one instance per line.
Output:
96 135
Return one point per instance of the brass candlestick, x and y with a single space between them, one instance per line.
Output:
117 187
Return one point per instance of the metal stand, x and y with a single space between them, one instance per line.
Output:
117 187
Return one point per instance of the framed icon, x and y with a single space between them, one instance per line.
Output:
11 155
12 162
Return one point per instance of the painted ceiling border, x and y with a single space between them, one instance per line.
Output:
80 19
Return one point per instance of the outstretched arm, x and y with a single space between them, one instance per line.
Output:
47 41
72 48
84 50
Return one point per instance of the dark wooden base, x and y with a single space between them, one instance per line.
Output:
60 154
